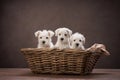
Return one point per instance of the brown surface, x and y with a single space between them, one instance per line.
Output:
25 74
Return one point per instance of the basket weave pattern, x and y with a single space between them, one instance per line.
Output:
56 61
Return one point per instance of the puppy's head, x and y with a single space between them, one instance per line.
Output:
63 34
44 37
77 40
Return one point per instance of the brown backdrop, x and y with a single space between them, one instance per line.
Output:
98 20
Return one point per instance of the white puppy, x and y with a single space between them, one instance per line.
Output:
63 36
44 38
77 40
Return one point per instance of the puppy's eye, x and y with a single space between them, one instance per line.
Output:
65 34
40 37
74 40
46 37
59 34
80 40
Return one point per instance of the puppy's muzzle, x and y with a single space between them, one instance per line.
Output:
77 44
62 39
43 42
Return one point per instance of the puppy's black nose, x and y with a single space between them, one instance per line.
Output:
43 42
62 39
77 44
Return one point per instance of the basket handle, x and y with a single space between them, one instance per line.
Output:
99 48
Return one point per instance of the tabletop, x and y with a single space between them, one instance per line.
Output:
26 74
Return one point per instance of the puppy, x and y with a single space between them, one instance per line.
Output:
63 36
44 38
77 40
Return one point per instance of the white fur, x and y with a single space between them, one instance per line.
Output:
44 36
64 33
77 40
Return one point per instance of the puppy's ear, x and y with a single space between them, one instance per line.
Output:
50 33
83 39
37 33
69 32
56 31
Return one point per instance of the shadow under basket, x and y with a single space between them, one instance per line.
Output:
67 61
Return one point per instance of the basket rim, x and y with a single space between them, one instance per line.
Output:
32 51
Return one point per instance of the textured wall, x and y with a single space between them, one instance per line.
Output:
98 20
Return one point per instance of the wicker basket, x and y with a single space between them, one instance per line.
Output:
67 61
